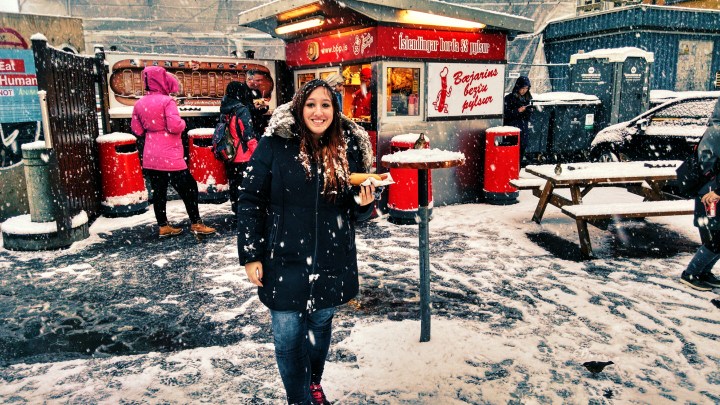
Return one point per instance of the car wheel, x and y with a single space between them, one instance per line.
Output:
605 154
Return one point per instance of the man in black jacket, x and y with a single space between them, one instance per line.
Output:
698 273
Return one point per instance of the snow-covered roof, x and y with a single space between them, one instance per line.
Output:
614 54
348 13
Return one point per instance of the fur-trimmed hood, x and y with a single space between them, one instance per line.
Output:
282 124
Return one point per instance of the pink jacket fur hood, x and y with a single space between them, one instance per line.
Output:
156 117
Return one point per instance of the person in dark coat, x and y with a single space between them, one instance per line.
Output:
698 273
232 104
258 82
517 110
296 232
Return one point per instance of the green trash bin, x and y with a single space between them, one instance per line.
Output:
538 128
571 123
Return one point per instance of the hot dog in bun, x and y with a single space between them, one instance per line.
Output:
358 178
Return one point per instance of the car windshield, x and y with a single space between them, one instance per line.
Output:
688 119
700 109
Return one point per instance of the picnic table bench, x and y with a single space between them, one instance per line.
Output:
642 178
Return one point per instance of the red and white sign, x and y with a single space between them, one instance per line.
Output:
396 41
425 44
353 45
12 65
17 80
461 89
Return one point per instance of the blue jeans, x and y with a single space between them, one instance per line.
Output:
302 342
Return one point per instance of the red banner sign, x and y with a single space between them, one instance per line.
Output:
424 44
12 65
17 80
396 42
353 45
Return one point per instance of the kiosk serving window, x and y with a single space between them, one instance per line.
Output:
306 75
403 89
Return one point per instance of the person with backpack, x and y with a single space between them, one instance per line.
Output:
156 118
236 116
296 229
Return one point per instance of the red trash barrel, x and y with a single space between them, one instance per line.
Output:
209 173
502 164
403 195
123 186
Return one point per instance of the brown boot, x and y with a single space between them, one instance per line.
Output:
201 229
168 230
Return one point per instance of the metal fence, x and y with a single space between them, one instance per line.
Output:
70 82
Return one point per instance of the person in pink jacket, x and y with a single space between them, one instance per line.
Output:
156 117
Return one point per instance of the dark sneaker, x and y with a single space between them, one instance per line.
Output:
317 394
695 282
710 279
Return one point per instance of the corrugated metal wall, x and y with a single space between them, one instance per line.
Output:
644 27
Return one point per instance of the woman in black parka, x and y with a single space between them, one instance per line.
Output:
517 110
296 236
698 274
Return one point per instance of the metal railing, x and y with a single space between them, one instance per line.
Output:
69 82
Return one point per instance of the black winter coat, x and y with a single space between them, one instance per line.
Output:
233 106
709 158
305 243
512 116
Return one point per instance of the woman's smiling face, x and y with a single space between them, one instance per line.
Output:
318 111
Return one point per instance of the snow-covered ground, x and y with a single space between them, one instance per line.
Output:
515 314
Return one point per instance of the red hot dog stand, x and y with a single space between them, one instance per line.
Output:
435 67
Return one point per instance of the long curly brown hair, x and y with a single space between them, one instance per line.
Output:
330 150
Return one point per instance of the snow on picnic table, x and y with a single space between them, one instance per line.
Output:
608 170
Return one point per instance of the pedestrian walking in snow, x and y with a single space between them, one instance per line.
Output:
155 116
517 110
296 235
232 104
698 274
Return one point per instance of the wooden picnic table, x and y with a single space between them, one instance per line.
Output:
645 178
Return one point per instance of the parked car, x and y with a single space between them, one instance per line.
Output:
667 132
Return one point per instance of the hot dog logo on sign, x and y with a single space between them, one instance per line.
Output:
203 82
465 89
313 50
362 42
